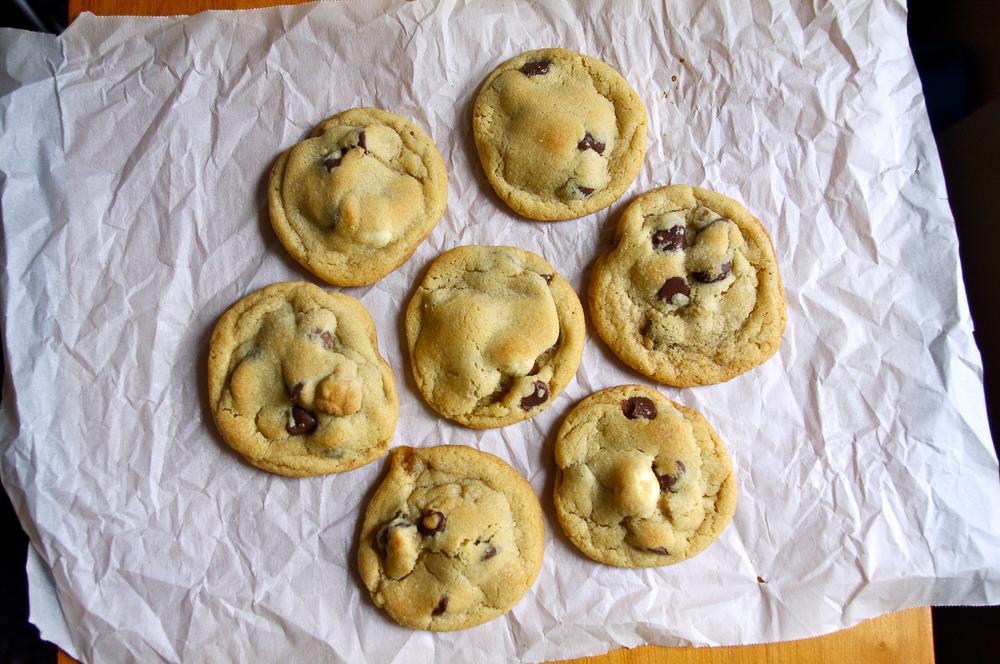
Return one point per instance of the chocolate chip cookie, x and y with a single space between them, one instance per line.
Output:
494 333
296 383
690 292
352 202
641 481
559 134
452 538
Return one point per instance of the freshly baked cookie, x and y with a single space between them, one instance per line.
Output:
352 202
494 335
690 293
641 481
452 538
296 383
560 134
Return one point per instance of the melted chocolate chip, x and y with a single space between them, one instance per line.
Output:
670 239
383 535
325 336
707 278
536 398
639 407
331 163
591 143
296 393
659 550
432 522
490 552
667 482
304 422
361 141
547 278
673 286
585 191
536 68
441 607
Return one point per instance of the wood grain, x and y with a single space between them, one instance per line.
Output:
904 637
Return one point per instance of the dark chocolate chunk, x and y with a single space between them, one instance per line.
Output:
585 191
667 482
670 239
535 68
490 552
591 143
361 141
547 278
536 398
660 550
304 422
331 163
707 278
673 286
441 607
432 522
639 407
296 392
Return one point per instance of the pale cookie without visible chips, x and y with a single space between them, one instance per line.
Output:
296 383
559 134
352 202
690 293
452 538
641 481
494 333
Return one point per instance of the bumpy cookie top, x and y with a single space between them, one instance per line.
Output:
560 134
452 538
690 293
352 202
641 481
296 383
494 335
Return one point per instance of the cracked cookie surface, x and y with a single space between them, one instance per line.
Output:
559 134
353 201
296 383
641 481
452 538
690 292
494 334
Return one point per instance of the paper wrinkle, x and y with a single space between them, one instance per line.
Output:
133 177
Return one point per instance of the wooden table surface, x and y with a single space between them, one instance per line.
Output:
904 637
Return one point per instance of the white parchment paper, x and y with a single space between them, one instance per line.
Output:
134 161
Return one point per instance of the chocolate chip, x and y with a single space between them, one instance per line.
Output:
536 398
659 550
667 482
535 68
547 278
331 163
361 141
591 143
707 278
490 552
585 191
383 535
639 407
325 336
441 607
670 239
296 392
673 286
304 422
432 522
